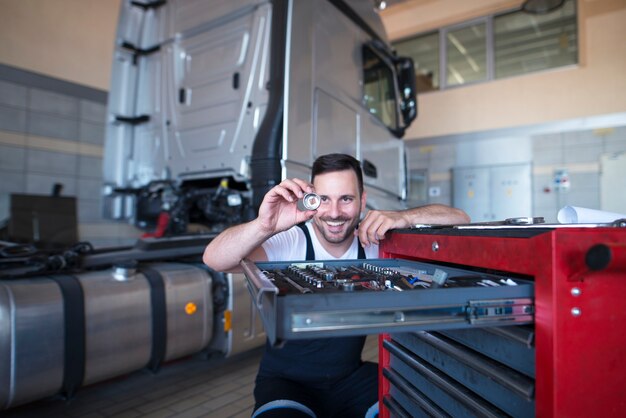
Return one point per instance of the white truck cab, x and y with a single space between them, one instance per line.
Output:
214 102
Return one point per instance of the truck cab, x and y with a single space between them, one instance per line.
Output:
212 103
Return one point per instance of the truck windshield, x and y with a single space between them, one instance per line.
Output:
378 88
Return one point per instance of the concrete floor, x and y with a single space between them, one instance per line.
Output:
193 387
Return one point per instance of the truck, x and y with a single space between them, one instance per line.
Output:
211 104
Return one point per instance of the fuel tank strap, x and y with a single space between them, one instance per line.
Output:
159 317
74 318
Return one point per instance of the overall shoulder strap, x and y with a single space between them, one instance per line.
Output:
310 252
361 255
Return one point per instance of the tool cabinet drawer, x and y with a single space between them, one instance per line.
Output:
514 347
299 300
458 379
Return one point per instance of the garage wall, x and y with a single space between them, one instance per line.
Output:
578 152
594 87
71 40
55 62
565 119
52 131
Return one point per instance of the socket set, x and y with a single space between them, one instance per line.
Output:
319 277
307 299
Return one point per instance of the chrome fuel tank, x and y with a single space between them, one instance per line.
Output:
132 318
31 340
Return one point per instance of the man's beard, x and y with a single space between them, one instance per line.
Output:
348 229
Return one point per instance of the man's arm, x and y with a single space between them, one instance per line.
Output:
278 212
225 252
376 223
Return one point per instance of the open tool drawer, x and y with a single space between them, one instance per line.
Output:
305 299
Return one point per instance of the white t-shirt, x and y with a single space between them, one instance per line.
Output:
290 245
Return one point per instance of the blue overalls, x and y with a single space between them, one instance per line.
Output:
321 377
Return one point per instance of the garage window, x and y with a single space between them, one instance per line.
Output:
525 43
493 47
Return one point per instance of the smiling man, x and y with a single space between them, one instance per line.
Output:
321 377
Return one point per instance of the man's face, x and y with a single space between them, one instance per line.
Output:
341 205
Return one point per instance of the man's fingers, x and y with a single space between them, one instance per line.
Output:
374 227
368 228
295 187
305 186
376 231
283 192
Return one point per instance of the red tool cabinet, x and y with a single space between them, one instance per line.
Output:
580 313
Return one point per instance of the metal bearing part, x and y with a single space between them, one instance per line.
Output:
309 201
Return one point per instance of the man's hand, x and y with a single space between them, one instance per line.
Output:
376 223
278 211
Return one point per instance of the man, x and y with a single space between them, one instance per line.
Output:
322 377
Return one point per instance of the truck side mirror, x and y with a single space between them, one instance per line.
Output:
408 91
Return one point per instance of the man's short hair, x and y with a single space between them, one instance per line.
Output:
337 162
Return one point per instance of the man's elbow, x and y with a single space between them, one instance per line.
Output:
217 263
463 218
449 215
206 259
209 259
